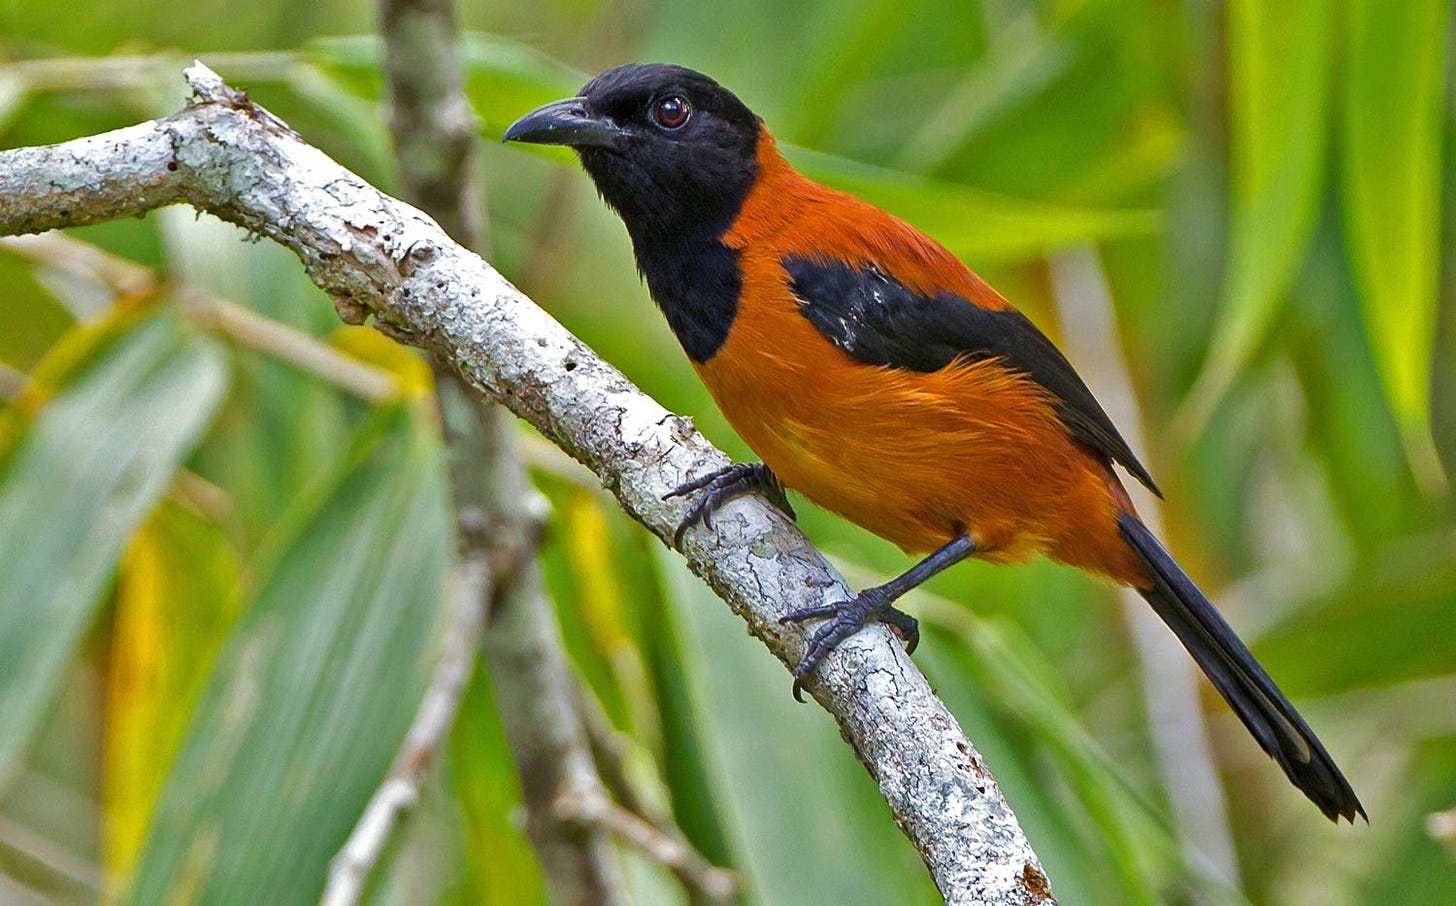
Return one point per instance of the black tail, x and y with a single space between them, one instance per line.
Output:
1231 668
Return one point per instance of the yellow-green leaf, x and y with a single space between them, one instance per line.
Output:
177 594
1279 62
1391 194
84 471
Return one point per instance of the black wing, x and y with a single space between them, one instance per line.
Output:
880 321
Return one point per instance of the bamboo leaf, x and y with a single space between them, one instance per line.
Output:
1391 195
1279 58
503 869
35 319
83 472
317 684
1339 642
176 596
792 798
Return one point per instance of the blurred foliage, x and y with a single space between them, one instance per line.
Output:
223 575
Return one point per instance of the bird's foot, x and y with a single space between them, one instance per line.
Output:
722 486
845 619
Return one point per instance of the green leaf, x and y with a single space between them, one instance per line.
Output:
1011 75
280 427
806 823
317 684
505 78
1391 194
82 475
502 869
337 107
34 318
1340 642
1279 58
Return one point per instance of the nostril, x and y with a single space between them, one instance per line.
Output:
578 110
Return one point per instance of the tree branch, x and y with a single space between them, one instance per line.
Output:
376 256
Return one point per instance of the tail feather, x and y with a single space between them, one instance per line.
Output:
1231 668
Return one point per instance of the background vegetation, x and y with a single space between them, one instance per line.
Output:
221 583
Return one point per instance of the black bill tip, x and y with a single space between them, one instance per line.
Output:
566 122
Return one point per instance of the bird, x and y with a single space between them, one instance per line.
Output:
880 377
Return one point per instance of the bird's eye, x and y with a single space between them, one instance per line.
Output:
671 112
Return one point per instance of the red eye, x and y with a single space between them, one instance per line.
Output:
671 112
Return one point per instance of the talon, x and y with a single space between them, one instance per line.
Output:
698 483
809 613
799 689
904 626
722 486
845 619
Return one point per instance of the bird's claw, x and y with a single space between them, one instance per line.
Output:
845 619
722 486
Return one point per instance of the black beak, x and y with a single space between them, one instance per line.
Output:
566 122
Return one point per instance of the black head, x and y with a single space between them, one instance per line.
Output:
671 150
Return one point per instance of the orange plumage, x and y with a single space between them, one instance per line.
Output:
977 447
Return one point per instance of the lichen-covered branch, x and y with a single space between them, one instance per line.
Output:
379 257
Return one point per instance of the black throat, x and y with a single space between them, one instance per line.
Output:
695 281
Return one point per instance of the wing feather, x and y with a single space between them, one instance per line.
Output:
880 321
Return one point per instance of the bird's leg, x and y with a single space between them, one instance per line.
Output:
722 486
848 617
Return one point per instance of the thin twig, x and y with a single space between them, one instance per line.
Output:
691 868
142 71
609 753
282 342
63 253
376 256
53 856
274 338
1441 826
665 842
13 382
